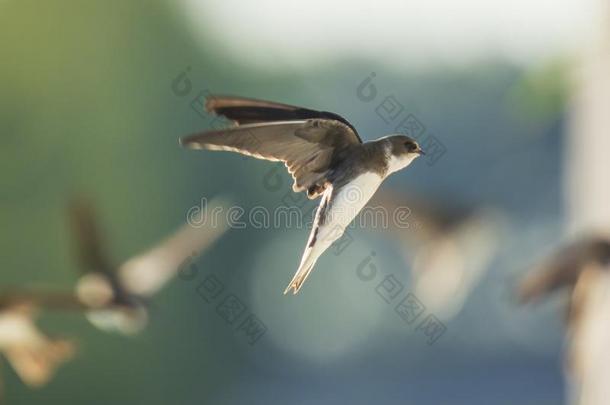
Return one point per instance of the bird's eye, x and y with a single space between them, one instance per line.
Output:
410 146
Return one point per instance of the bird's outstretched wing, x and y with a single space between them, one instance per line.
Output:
148 272
87 237
242 110
309 148
563 268
446 246
99 286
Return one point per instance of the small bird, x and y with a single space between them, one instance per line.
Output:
112 306
322 151
447 246
563 269
117 296
583 269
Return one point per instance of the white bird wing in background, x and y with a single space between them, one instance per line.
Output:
452 264
118 295
146 273
448 249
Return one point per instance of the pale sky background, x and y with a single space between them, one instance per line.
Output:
266 33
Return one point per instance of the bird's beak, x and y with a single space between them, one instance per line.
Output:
421 152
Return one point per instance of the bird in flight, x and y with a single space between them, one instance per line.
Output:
563 269
322 151
117 297
582 268
446 245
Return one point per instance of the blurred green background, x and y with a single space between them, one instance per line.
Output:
87 107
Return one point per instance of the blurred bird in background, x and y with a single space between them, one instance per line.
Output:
112 298
118 295
448 248
582 269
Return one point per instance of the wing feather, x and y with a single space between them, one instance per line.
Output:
563 268
243 110
307 147
87 236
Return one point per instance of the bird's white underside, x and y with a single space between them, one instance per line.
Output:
350 199
345 205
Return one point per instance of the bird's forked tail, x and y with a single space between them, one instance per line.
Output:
305 268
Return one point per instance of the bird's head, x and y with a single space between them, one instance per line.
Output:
401 150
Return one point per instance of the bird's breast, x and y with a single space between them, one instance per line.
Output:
349 199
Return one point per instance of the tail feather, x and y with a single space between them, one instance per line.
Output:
315 248
301 275
316 245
